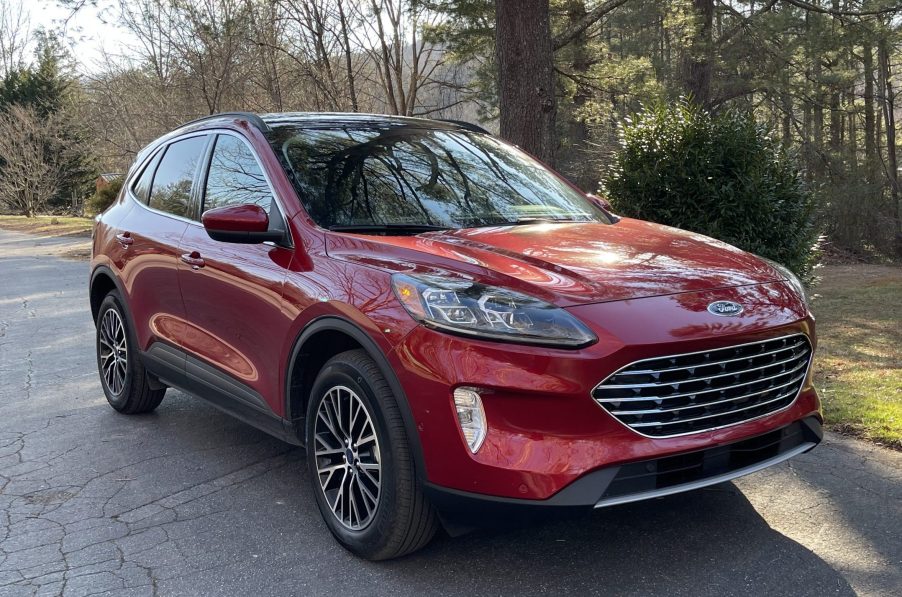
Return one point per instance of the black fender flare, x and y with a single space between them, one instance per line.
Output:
340 324
105 270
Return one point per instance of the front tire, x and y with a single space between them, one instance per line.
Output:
127 385
360 463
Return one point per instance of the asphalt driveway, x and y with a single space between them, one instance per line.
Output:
187 501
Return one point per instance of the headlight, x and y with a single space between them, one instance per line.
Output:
791 278
465 307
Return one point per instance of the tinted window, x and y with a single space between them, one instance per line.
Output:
235 178
409 175
171 189
141 188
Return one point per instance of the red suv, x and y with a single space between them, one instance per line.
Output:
452 330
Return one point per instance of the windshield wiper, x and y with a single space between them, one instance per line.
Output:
409 228
526 220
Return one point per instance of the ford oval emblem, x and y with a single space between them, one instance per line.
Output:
725 308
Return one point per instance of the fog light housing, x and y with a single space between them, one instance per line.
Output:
470 416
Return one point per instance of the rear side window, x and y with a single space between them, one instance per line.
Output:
171 188
235 177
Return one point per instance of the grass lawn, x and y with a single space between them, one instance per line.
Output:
858 366
45 226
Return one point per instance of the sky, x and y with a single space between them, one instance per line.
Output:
89 30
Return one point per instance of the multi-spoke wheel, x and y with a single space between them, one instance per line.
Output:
361 466
113 350
127 386
347 457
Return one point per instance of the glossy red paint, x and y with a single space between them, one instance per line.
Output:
236 218
568 264
641 287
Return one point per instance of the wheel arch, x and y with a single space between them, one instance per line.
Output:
320 340
103 280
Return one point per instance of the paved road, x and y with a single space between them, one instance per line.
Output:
186 501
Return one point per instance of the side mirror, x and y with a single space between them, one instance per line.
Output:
247 224
600 202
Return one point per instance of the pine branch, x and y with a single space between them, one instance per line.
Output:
592 17
805 5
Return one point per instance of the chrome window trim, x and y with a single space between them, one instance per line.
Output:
710 429
162 147
208 133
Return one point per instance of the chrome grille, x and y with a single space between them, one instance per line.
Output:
692 392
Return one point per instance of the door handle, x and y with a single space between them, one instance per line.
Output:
125 239
194 260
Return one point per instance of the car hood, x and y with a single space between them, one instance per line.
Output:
567 263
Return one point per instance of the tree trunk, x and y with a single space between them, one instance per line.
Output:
889 109
525 61
853 141
348 56
836 115
787 119
817 124
870 126
573 161
697 59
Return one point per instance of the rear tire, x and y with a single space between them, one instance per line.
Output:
127 385
376 508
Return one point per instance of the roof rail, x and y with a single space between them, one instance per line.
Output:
464 124
252 118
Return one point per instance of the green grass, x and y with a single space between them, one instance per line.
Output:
48 225
858 366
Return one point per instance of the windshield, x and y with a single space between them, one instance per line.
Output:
397 177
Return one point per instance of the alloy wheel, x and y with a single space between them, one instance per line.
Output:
348 461
113 351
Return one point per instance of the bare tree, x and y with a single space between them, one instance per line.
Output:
14 33
403 62
33 159
209 40
319 46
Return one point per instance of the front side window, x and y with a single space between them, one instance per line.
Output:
235 177
171 188
406 175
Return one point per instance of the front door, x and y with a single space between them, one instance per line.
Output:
233 292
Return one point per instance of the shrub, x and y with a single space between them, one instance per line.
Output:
722 175
104 197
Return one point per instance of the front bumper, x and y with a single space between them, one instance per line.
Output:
545 431
641 480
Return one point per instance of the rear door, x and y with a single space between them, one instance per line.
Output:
148 241
233 292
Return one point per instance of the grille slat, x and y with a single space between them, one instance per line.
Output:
687 394
706 364
704 404
693 419
703 399
673 383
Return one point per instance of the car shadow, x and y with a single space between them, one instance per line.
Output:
708 542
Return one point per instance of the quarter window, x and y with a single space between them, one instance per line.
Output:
171 189
141 188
